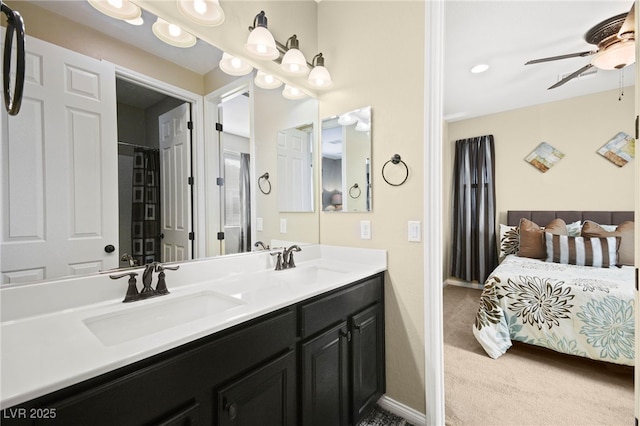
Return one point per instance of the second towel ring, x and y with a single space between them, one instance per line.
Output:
266 178
352 192
396 159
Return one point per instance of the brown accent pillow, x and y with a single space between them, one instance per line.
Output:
532 242
627 238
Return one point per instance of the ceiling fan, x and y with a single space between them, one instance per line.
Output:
615 39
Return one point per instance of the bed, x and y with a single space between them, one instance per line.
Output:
551 302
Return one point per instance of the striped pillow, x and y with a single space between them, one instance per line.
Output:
583 251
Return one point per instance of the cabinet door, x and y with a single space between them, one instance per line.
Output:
266 396
325 378
368 359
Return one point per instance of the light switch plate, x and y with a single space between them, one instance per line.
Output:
365 229
283 226
414 231
259 224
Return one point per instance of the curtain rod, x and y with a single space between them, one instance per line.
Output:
138 146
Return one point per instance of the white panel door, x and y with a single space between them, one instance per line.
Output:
59 169
294 162
174 187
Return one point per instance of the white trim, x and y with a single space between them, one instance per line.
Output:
414 417
197 157
462 283
433 247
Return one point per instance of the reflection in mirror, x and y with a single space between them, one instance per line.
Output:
295 169
346 162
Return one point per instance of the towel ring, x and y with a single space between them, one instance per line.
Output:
396 159
266 178
355 186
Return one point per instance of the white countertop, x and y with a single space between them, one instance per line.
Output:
47 346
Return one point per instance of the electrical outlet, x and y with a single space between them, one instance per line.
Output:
283 226
259 224
365 229
414 231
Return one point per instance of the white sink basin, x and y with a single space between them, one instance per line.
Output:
143 320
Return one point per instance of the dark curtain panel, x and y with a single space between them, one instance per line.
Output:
145 218
474 248
245 204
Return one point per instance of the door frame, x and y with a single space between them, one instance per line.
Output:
196 102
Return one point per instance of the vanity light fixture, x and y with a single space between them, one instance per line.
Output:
266 81
119 9
347 120
135 22
204 12
234 66
319 76
261 44
293 61
293 93
172 34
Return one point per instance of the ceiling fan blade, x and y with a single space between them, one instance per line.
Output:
571 76
555 58
628 28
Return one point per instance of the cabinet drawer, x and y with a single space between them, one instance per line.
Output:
328 310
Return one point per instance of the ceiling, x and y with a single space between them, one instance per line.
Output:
502 34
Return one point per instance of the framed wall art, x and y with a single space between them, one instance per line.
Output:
544 157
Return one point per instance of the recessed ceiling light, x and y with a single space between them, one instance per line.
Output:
479 68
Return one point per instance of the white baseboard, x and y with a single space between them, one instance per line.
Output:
461 283
412 416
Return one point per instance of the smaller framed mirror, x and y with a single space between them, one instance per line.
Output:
346 162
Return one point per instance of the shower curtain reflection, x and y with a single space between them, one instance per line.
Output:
237 202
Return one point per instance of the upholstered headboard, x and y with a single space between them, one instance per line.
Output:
542 217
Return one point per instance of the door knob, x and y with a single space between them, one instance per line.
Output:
109 248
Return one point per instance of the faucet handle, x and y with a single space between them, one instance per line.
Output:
132 289
161 286
278 260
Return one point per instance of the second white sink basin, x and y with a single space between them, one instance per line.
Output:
139 321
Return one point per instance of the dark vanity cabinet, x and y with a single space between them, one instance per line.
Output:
342 354
320 362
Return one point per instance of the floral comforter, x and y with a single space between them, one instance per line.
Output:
572 309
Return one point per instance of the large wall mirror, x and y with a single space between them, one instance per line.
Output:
346 162
250 145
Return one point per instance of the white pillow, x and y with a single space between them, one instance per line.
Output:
574 229
509 241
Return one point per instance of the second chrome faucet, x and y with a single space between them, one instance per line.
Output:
285 257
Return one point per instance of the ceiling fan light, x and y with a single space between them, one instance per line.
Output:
293 93
118 9
615 56
234 66
204 12
266 81
172 34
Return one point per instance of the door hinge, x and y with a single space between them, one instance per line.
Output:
190 125
192 236
219 181
190 180
637 289
218 127
220 236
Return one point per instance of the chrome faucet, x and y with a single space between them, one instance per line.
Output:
147 279
126 257
287 257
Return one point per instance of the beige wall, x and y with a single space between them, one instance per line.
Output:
582 180
361 42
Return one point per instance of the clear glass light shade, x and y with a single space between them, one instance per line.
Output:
319 77
616 56
119 9
261 44
294 63
204 12
234 66
172 34
267 81
291 92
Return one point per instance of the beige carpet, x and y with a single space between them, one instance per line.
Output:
527 385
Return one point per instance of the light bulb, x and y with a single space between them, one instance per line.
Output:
200 6
269 78
116 3
236 63
174 30
261 48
